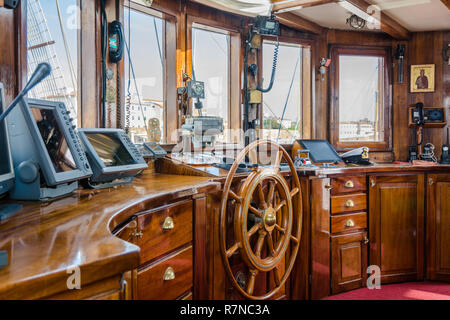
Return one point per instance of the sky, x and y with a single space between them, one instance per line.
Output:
286 66
358 82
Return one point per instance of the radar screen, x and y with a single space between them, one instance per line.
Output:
54 140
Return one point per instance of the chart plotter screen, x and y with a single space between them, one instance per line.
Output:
110 149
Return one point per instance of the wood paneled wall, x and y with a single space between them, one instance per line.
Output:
422 48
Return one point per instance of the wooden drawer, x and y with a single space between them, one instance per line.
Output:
348 184
348 222
151 283
348 203
158 236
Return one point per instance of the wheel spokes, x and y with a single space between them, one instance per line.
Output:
280 229
262 197
294 192
278 159
280 205
259 243
255 211
233 249
251 282
271 193
276 275
270 244
253 230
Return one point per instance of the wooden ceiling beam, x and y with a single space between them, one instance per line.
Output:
291 20
447 3
387 24
283 5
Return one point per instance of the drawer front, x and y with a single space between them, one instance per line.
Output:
348 184
164 230
167 280
348 203
348 222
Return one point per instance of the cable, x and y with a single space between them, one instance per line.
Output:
135 85
128 98
104 35
274 69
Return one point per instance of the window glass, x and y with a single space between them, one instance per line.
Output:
280 123
144 94
210 64
361 103
52 37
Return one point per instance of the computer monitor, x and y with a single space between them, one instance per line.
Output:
6 164
321 151
44 144
113 157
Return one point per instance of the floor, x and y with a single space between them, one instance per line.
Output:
399 291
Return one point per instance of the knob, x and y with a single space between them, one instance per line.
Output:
349 204
328 186
365 240
349 184
349 223
169 274
168 224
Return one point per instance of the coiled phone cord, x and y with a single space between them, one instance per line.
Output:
274 69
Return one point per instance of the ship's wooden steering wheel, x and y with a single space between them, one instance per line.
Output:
267 219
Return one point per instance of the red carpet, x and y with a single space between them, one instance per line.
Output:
399 291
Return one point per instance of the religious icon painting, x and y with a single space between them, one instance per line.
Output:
422 78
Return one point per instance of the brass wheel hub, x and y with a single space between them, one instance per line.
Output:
269 219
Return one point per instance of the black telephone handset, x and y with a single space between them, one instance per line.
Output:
417 114
445 156
115 41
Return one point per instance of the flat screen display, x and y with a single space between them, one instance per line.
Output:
321 151
54 139
5 165
110 149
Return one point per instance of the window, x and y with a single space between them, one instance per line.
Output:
211 64
282 112
52 37
360 108
144 91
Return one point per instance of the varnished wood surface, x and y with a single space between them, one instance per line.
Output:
45 239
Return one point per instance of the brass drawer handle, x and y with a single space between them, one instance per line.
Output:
137 234
349 184
349 223
372 183
328 186
168 224
365 240
169 274
349 204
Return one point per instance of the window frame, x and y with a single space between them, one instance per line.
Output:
169 48
234 70
384 52
306 108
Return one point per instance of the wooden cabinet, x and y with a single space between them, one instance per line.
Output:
349 261
396 226
438 227
165 237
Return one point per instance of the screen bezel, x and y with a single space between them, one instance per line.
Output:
311 154
139 165
10 175
52 177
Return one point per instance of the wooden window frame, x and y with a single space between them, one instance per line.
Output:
235 65
385 52
307 72
169 36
